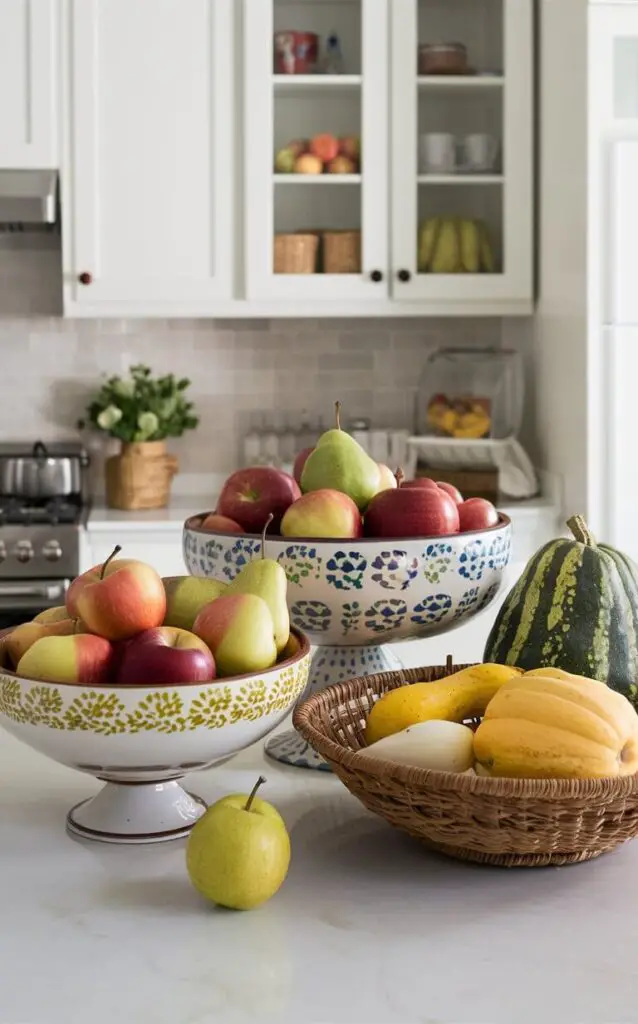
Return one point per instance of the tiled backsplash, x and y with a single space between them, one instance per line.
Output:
236 367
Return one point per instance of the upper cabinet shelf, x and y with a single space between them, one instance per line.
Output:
342 178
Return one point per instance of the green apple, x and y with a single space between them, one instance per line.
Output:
186 596
239 851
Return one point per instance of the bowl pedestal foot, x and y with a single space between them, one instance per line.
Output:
329 665
135 813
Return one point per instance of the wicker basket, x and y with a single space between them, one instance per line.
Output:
295 254
509 822
341 252
140 477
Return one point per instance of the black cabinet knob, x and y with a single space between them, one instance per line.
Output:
404 275
376 276
85 277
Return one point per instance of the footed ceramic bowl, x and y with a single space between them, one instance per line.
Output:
142 739
367 592
353 597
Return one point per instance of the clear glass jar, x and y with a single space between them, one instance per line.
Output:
471 393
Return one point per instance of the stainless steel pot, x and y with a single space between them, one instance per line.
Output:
40 474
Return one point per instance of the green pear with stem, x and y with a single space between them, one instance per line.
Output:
266 579
339 463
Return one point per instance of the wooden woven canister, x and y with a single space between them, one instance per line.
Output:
140 477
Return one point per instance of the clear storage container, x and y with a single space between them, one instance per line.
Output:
471 394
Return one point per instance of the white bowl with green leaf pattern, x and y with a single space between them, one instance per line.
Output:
141 740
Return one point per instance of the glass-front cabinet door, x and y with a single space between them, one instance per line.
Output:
461 117
316 150
613 157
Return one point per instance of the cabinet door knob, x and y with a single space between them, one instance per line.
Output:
376 276
85 277
404 275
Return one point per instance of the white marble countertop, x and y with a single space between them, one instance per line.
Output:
368 928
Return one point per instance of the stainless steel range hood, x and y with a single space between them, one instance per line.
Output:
28 197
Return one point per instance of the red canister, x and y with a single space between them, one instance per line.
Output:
296 53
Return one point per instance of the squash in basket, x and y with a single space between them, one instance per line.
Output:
575 607
551 727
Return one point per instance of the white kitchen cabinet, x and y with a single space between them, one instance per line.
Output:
160 548
462 148
398 113
28 83
158 221
148 154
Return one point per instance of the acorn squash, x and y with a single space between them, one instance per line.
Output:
575 607
540 726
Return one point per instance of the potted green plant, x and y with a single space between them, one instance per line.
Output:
141 411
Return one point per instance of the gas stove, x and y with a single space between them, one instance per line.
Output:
51 511
43 508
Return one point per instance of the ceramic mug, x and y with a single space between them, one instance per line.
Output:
480 152
437 153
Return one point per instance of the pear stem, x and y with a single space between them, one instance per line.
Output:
263 534
338 414
260 782
399 476
116 550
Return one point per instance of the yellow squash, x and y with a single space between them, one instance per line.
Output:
465 694
553 725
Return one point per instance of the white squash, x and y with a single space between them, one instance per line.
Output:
438 745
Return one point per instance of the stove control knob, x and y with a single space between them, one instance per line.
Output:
24 551
3 551
52 551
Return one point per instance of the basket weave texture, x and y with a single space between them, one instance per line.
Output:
140 477
507 822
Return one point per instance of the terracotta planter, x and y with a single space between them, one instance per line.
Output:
140 476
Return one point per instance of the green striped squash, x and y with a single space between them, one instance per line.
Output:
575 607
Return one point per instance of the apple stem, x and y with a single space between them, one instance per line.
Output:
399 476
263 534
116 550
338 414
260 782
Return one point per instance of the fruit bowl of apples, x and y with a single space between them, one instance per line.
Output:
139 681
369 558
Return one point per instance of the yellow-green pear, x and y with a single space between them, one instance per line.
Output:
57 614
239 851
186 596
239 630
339 463
266 578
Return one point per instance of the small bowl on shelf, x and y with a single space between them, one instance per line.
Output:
141 740
505 822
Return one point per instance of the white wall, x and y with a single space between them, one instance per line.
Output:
560 326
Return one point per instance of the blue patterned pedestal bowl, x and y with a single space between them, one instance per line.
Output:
352 598
141 740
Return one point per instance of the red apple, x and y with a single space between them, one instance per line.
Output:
251 495
118 599
411 512
81 658
322 513
477 514
165 655
450 489
220 524
300 462
350 145
420 481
